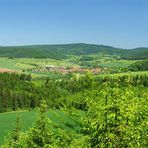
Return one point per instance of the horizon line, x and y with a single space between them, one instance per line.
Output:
54 44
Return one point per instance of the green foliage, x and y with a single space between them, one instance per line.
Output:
114 120
39 135
139 66
86 58
18 91
15 135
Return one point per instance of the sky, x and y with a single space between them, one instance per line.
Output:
118 23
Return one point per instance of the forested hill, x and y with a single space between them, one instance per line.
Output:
138 54
62 51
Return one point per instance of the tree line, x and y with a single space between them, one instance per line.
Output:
17 91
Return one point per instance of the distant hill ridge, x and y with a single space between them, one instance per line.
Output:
62 51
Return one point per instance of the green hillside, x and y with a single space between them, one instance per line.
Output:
139 66
63 51
137 54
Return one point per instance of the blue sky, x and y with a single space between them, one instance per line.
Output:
119 23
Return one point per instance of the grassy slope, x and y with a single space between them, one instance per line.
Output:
7 121
24 63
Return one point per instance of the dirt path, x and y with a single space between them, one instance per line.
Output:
2 70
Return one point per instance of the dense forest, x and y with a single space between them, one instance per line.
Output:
115 110
18 92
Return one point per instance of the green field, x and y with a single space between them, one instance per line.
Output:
26 63
7 121
22 64
117 63
8 63
24 58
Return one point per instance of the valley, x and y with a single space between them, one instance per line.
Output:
46 59
67 88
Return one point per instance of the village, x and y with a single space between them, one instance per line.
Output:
65 70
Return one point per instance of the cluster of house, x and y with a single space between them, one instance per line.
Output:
65 70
